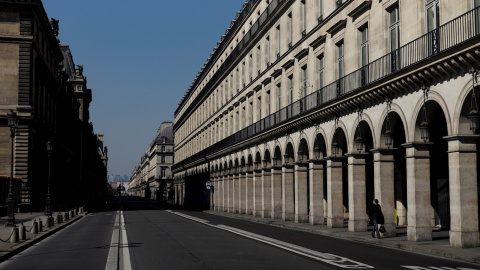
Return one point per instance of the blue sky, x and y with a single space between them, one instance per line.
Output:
139 58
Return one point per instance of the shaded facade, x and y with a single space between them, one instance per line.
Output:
40 82
309 110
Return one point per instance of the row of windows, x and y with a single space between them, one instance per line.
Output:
252 110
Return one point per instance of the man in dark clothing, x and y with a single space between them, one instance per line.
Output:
377 218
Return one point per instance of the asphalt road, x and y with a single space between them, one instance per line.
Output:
82 245
164 239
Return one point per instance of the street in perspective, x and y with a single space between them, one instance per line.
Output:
317 134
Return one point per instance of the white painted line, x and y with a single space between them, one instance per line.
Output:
112 260
324 257
125 249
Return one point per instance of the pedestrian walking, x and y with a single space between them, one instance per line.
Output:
377 218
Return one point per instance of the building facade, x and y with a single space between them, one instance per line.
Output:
152 176
41 84
307 110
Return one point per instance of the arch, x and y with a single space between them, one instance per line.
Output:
319 140
341 129
303 138
304 149
277 154
289 150
461 125
433 97
266 157
366 125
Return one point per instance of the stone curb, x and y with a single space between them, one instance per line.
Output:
350 237
6 254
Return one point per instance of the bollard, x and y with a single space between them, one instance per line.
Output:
66 216
35 227
40 225
14 237
59 218
22 232
48 222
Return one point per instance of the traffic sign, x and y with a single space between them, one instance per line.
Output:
208 184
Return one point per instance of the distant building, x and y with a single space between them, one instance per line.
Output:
152 176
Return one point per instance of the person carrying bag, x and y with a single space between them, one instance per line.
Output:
378 218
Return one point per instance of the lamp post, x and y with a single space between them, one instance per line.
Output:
48 205
388 129
300 155
474 115
12 123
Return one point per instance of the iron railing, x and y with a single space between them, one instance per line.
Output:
447 36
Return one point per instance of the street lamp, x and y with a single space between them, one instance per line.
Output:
275 160
388 129
474 115
264 161
48 205
425 133
285 157
300 155
316 152
12 123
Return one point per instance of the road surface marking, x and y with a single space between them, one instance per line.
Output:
112 259
127 265
324 257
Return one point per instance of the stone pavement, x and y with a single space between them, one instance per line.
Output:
9 249
439 247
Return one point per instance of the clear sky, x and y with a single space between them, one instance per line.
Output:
139 58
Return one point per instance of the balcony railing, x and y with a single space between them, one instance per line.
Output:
447 36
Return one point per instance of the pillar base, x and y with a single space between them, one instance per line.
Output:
334 222
288 217
357 225
464 239
266 214
419 234
316 220
277 215
301 218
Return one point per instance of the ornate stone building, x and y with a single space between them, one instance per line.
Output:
152 176
41 84
307 110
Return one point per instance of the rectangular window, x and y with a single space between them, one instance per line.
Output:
304 18
290 30
251 112
259 59
432 23
163 159
279 97
394 38
320 71
340 61
259 112
250 68
320 10
268 103
364 46
278 41
267 53
163 148
304 81
163 173
290 87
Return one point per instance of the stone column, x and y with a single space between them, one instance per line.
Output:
235 194
226 180
213 192
357 216
266 193
301 192
241 192
288 210
420 209
334 192
249 193
316 191
276 184
257 193
462 163
223 206
384 183
230 193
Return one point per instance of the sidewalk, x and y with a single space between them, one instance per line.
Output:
440 245
8 249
